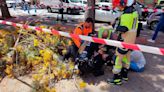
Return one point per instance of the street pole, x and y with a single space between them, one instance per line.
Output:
91 12
35 6
4 9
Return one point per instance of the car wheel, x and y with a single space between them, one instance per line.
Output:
153 25
49 10
61 11
69 11
78 13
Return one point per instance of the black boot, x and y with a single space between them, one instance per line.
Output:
116 80
124 74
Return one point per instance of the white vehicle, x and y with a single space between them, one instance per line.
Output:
69 6
104 5
83 4
107 16
104 13
10 3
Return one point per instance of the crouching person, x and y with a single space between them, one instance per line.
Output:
82 29
92 59
103 53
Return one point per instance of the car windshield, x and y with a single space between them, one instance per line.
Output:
75 1
162 2
104 1
83 2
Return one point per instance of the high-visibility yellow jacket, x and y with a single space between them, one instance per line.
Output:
129 20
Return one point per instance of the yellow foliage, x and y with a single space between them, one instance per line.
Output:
64 52
37 77
43 70
36 42
45 80
54 63
3 33
46 64
35 62
28 47
19 48
63 66
82 85
47 89
8 59
47 55
52 76
70 42
53 90
77 71
71 65
9 70
67 75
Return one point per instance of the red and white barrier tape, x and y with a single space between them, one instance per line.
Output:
107 8
152 10
148 49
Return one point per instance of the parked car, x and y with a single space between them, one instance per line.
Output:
143 16
83 4
153 20
70 6
11 3
104 13
161 5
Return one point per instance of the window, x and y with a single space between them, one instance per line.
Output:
66 1
105 7
85 2
75 1
104 1
162 2
96 6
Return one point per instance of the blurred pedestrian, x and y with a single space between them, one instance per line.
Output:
160 27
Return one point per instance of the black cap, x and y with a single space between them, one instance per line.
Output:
88 20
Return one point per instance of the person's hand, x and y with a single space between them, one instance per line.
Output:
101 51
104 56
93 34
101 46
95 54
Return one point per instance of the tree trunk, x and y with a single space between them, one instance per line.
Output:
91 12
4 9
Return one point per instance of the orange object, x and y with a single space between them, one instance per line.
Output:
118 3
115 3
81 30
